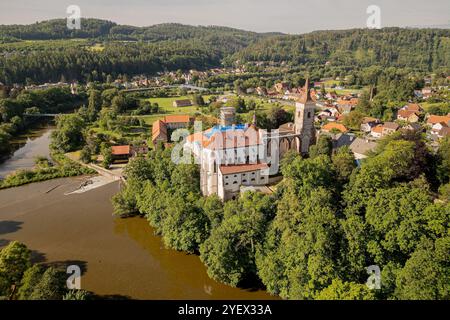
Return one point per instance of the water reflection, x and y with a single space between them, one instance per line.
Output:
27 147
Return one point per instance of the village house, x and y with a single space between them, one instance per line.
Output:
368 123
281 87
362 147
433 119
160 128
444 132
159 132
389 128
334 127
410 113
437 127
427 93
174 122
377 131
261 91
342 139
409 116
121 153
182 103
346 106
413 127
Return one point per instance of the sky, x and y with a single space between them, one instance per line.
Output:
288 16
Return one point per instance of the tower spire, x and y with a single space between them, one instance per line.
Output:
306 96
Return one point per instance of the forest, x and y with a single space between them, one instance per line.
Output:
48 51
316 235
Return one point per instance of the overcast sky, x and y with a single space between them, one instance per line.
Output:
289 16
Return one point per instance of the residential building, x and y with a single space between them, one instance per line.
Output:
182 103
281 87
377 131
389 128
159 132
121 153
174 122
437 127
362 147
333 126
433 119
368 123
413 127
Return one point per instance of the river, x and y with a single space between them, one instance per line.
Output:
119 258
28 146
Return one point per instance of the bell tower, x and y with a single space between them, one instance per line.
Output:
304 119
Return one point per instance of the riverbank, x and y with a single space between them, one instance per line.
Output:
64 167
119 258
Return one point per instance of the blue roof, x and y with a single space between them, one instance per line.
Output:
216 129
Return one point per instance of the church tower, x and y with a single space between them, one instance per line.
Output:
304 120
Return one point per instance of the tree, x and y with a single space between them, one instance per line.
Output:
340 290
276 117
76 295
95 100
298 258
107 155
30 279
51 285
68 135
185 226
198 100
4 142
391 165
353 120
344 163
14 261
213 208
118 104
229 253
86 155
426 275
396 220
324 146
443 170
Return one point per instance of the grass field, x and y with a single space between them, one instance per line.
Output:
167 108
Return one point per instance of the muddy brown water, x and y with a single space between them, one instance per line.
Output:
119 257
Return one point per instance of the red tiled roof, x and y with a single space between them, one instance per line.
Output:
378 129
436 119
242 168
407 113
159 127
332 125
413 107
177 119
120 150
352 102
